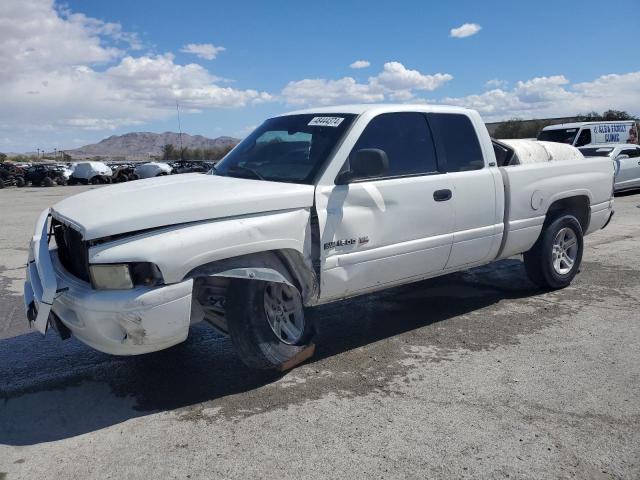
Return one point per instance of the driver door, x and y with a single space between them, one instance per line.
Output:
393 227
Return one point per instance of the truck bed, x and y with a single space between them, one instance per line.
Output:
531 188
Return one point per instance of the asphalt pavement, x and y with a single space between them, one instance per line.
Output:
476 374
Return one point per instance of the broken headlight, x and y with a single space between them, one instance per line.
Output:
122 276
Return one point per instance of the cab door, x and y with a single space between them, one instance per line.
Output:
393 227
477 199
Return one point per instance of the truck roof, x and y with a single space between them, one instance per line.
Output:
559 126
359 109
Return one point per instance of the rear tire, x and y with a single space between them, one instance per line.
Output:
20 182
555 258
251 329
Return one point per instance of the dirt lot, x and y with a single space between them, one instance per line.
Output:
476 374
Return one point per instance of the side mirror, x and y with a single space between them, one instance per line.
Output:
365 163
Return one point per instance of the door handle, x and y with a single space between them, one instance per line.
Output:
442 195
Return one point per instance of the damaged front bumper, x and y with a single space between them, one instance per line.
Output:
119 322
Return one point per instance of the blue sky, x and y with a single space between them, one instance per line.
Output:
100 68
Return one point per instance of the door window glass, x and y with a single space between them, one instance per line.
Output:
405 138
632 152
584 138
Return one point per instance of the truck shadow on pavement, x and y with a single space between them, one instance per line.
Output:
52 390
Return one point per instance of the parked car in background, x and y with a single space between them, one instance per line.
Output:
191 166
627 162
348 200
587 133
153 169
65 169
11 175
45 175
90 173
123 172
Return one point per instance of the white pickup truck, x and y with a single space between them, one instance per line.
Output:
313 207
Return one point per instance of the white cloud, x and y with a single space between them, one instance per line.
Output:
465 30
320 91
496 83
63 70
395 82
554 96
203 50
395 77
34 37
158 81
360 64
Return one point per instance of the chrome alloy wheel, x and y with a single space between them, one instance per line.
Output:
283 306
565 250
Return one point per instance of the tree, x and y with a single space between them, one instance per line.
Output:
518 128
169 152
3 157
609 115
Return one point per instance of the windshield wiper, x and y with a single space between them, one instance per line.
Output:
252 172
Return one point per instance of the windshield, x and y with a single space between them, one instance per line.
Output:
291 149
560 135
596 152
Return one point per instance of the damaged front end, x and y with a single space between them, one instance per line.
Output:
120 322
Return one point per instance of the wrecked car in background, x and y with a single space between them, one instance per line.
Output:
191 166
153 169
313 207
46 175
122 172
94 173
11 175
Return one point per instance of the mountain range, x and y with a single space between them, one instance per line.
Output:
147 143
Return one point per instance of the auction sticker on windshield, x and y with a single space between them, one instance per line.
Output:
325 121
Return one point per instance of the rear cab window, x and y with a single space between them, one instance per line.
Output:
457 143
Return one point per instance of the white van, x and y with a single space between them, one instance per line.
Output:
586 133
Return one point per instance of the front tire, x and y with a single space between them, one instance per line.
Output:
47 182
267 322
555 258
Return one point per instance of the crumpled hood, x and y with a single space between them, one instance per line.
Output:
175 199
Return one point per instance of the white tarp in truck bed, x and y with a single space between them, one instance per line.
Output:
534 151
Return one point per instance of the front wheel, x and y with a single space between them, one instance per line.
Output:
47 182
555 258
267 323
